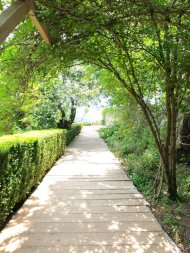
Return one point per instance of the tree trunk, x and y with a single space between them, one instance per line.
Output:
73 111
170 149
64 123
171 176
167 148
61 123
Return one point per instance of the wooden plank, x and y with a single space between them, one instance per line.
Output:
115 238
101 185
78 227
85 217
42 28
85 170
98 249
55 202
88 209
91 197
88 192
11 17
51 185
98 174
87 179
61 185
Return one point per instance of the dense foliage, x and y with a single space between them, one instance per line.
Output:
24 160
144 45
129 137
49 101
137 150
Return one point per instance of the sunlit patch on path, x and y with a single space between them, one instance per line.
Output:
85 204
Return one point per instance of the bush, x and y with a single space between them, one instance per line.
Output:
24 160
136 147
70 135
124 140
142 169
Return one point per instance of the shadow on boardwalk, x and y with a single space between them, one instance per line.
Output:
85 204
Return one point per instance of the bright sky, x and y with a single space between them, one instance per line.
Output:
92 114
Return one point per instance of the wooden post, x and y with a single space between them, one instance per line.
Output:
15 13
42 28
11 17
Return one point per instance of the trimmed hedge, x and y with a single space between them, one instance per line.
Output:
24 160
70 135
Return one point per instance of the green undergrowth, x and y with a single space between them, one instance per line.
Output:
24 160
136 149
138 153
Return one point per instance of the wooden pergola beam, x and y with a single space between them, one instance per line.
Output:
15 13
42 28
11 17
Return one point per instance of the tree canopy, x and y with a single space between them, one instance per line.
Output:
143 45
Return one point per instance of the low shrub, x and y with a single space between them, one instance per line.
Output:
142 169
124 141
74 131
136 147
24 160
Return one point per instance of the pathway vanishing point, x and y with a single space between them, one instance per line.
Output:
85 204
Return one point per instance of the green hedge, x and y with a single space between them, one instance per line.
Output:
24 160
70 135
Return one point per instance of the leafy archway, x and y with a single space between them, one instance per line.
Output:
143 44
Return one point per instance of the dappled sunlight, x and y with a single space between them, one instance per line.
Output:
89 150
91 155
84 208
69 168
13 229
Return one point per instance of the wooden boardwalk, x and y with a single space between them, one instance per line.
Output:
85 204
